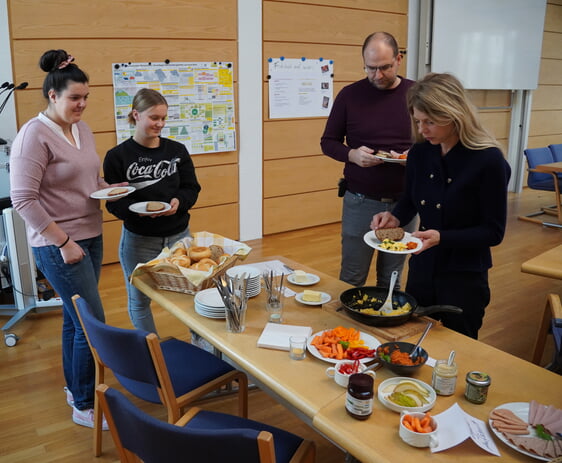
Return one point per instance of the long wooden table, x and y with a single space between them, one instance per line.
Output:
304 386
547 264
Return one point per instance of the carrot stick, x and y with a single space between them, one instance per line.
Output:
417 425
339 349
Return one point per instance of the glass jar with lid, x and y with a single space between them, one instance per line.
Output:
477 384
444 377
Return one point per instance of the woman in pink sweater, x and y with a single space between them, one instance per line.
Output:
54 167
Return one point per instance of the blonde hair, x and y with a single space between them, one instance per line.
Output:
144 99
443 98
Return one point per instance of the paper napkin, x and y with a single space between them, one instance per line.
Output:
276 335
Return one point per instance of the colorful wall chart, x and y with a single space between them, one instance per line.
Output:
200 99
300 87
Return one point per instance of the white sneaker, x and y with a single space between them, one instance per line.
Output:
86 418
69 397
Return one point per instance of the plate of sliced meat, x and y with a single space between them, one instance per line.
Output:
529 427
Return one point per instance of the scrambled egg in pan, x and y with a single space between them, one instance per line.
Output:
366 300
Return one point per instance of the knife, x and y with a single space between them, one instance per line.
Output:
289 268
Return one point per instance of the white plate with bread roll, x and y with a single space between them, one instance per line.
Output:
113 192
377 242
150 207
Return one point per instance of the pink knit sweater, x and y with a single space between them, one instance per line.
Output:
51 180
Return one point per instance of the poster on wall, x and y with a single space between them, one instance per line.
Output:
300 87
200 99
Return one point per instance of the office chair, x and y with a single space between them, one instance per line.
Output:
541 181
199 435
171 372
556 152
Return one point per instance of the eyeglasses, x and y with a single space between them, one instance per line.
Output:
374 69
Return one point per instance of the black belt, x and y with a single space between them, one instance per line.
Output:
373 198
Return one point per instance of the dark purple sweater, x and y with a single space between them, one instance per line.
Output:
379 119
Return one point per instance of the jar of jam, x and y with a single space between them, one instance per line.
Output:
444 377
359 398
477 384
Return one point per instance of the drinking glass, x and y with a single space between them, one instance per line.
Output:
297 347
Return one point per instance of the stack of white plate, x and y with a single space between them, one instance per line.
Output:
253 287
208 303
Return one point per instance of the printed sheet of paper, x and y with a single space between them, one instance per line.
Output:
300 87
455 426
200 98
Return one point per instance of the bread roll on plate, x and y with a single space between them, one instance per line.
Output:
394 233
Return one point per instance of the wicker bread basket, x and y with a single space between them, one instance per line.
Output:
172 277
167 277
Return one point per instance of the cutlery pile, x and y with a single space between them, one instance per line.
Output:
274 291
233 294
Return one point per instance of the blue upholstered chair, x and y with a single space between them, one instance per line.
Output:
541 181
171 372
556 152
202 436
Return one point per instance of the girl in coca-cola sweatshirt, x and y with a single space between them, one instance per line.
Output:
159 169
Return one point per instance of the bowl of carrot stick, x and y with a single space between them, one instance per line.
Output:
396 357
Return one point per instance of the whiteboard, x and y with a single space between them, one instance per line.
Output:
489 44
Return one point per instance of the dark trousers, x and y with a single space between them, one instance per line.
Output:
467 290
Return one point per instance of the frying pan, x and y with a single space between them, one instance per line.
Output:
350 297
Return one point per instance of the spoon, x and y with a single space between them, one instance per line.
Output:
387 308
451 358
414 353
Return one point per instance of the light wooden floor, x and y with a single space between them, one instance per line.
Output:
35 423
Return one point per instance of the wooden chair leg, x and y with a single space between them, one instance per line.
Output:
552 309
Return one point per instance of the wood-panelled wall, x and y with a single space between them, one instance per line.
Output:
546 115
299 181
104 32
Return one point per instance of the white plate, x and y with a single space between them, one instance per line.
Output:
521 409
251 272
374 242
103 194
370 342
324 298
312 279
140 208
395 160
210 297
382 395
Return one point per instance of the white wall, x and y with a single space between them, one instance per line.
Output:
8 128
250 144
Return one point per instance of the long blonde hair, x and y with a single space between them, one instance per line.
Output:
443 98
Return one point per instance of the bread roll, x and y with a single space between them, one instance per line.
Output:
179 251
394 234
206 260
205 267
199 252
117 191
182 261
216 252
154 206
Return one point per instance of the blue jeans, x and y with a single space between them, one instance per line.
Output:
356 259
67 280
137 249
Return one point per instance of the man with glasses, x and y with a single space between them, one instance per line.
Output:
368 116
